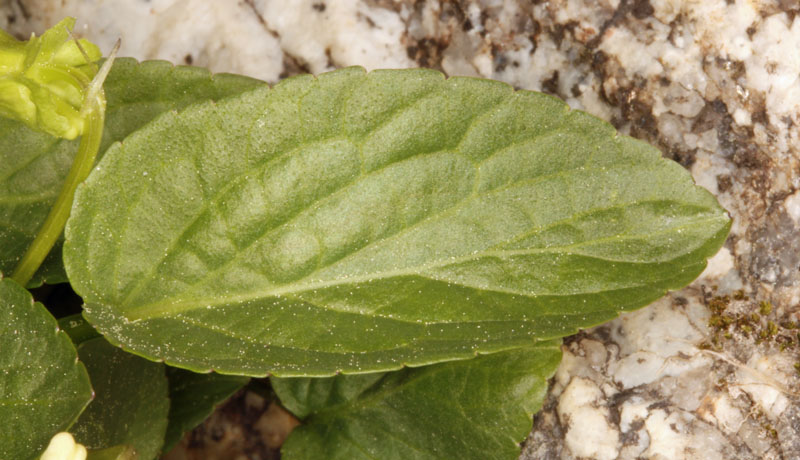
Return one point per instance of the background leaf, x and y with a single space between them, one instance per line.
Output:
77 328
131 400
358 222
43 387
33 165
193 397
478 408
123 452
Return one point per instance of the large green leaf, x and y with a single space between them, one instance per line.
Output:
480 408
43 387
193 398
131 402
358 222
33 165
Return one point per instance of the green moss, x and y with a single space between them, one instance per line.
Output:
751 322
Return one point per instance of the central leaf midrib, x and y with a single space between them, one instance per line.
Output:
167 306
141 284
143 280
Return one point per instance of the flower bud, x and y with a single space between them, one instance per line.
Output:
64 447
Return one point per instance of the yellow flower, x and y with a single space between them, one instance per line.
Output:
43 81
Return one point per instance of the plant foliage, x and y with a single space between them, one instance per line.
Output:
361 222
479 408
131 400
402 252
34 165
43 386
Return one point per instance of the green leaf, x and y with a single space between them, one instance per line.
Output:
77 328
43 387
123 452
478 408
34 165
131 401
193 397
51 271
357 222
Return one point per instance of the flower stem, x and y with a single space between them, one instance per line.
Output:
54 224
94 111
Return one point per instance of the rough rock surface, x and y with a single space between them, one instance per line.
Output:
708 372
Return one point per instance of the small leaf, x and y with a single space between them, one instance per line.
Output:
43 387
357 222
478 408
34 165
131 401
193 398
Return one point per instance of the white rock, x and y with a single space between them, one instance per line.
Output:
719 265
792 205
632 410
352 32
589 433
667 435
762 378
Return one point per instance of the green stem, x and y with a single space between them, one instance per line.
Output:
54 224
93 111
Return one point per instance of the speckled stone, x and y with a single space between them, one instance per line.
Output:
707 372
